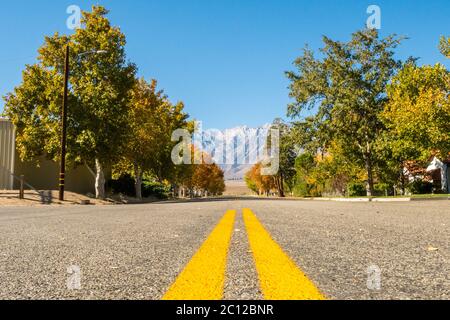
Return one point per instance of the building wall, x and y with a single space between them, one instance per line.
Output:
45 176
7 154
447 172
42 174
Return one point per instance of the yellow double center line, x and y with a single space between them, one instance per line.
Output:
204 277
279 277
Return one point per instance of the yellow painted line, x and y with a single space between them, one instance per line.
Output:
280 278
204 276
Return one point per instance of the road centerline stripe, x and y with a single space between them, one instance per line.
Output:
204 276
279 276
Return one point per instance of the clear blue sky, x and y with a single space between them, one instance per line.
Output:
224 58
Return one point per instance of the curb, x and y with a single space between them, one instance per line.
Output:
380 199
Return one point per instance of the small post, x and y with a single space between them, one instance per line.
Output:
21 191
46 197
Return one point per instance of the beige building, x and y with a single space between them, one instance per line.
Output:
7 154
42 177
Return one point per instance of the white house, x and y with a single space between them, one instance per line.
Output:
440 172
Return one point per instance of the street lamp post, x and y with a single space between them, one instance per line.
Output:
62 175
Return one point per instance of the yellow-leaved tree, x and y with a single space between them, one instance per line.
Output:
152 120
418 112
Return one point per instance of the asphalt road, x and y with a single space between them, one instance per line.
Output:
137 252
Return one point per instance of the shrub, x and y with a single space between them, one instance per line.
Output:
126 185
356 189
301 190
420 187
251 184
382 189
155 189
306 190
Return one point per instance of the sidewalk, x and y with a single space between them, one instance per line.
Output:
11 198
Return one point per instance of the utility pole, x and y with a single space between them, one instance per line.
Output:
62 176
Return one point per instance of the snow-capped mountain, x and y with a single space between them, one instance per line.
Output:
236 150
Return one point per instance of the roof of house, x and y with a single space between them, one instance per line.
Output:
414 168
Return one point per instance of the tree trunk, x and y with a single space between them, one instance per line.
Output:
403 178
280 186
369 170
99 180
176 191
138 181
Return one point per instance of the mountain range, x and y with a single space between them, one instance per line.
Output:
235 150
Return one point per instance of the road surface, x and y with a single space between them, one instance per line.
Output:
236 249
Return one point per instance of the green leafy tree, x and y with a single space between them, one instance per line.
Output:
330 173
287 156
304 165
444 46
348 89
98 97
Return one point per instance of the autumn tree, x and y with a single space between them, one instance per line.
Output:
152 119
200 176
209 179
255 179
98 97
347 87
